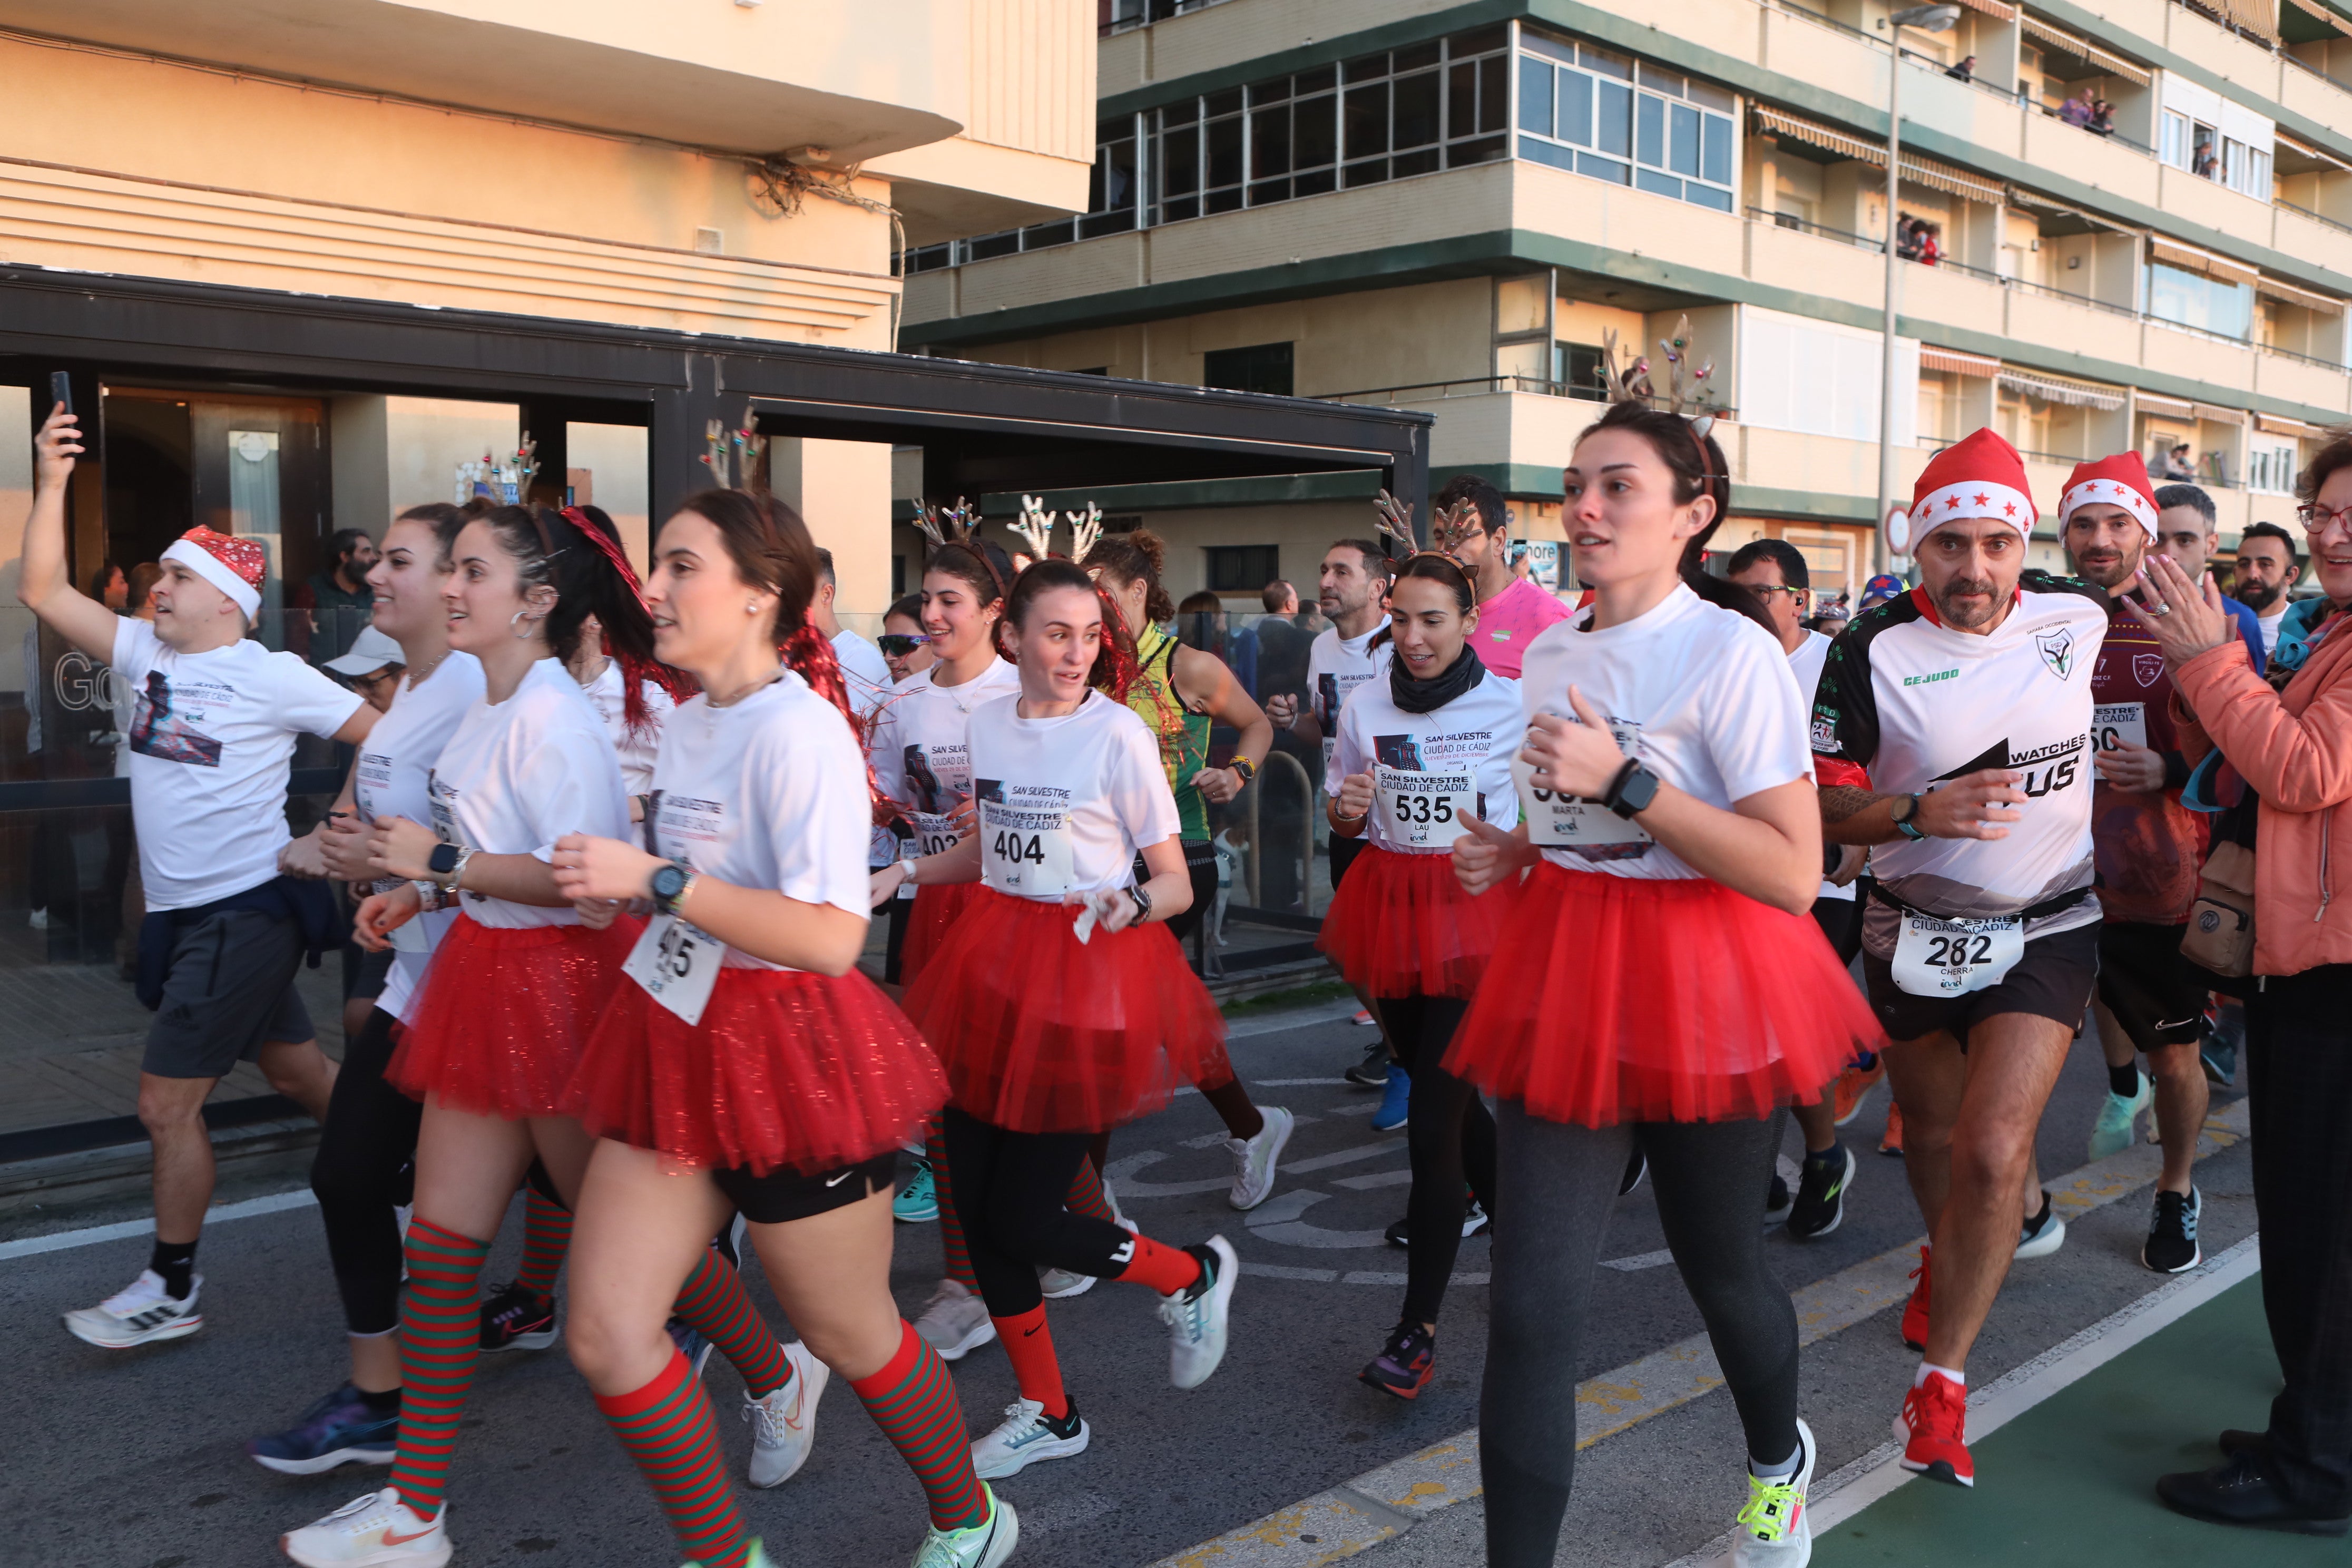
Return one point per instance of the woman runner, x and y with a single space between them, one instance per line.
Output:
749 1066
1660 985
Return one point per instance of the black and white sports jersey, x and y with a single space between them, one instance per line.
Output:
1906 704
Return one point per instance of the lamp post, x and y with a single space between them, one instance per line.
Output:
1928 19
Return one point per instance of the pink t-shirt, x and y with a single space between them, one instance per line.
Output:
1509 621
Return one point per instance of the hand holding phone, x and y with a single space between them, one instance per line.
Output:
61 390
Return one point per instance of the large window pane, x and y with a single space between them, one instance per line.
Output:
1575 108
1663 184
1534 96
1716 164
1493 94
1224 153
1545 152
1461 101
1650 130
1416 109
1683 142
1315 132
1368 119
1614 114
1180 162
1270 142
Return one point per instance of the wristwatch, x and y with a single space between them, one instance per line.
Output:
448 864
1633 790
1142 903
668 884
1906 813
1244 766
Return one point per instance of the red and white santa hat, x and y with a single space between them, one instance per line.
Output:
236 566
1981 476
2120 481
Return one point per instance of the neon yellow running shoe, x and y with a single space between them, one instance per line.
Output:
1774 1530
983 1545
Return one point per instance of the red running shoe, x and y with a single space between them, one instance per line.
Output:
1405 1364
1890 1142
1932 1428
1845 1102
1915 1311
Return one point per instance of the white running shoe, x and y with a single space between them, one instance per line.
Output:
1027 1434
783 1425
1254 1160
139 1314
1196 1320
377 1528
954 1322
2042 1235
984 1546
1775 1531
1060 1284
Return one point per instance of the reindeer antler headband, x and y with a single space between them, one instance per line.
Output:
1037 528
1632 383
1451 526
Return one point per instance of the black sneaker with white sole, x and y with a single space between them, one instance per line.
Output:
518 1318
1821 1183
1476 1221
1372 1072
2172 1232
1777 1199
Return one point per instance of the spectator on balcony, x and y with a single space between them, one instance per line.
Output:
2102 118
2176 464
1930 252
1965 71
2202 162
1907 238
2077 111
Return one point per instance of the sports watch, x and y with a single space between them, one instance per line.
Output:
1244 766
1906 813
1142 903
668 884
1633 790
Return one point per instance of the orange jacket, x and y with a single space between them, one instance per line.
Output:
2295 747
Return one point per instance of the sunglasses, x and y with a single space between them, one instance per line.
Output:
899 645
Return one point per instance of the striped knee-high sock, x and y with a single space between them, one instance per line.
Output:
440 1341
958 1264
1086 1194
715 1302
670 1431
913 1400
546 1237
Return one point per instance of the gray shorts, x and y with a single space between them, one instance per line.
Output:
228 992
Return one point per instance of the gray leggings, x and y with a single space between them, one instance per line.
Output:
1558 1183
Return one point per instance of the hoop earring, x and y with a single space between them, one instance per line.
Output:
524 634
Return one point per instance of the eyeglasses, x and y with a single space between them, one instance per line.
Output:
899 645
2320 518
1761 591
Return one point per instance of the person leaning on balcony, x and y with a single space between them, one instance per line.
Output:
1965 71
2290 745
2102 118
2176 465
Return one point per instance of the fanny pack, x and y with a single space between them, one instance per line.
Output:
2042 910
2220 932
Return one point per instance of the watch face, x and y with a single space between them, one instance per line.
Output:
666 882
442 861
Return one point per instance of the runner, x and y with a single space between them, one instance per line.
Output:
906 648
1657 988
373 668
1952 725
1512 608
749 1066
864 671
2188 532
631 693
211 747
1060 1005
2148 847
1419 754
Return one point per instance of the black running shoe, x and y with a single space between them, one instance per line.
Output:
1819 1208
1476 1221
1775 1201
1372 1072
2172 1232
1636 1169
1405 1364
517 1319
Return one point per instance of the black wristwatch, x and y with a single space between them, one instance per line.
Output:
1142 903
1631 791
669 880
1906 813
442 861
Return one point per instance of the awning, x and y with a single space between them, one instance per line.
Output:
2169 408
1993 9
2081 49
2254 16
1926 170
1954 362
2288 294
2019 196
2312 150
2188 257
2313 8
2214 415
2280 425
2073 393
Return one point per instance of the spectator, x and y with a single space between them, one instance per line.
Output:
906 647
1906 238
2269 566
864 671
2187 529
140 602
2202 163
1283 643
1880 589
110 588
1965 71
1280 598
1930 252
338 601
2176 464
2102 118
2077 111
2291 749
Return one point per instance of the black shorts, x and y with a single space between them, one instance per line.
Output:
1343 855
1841 922
2052 980
364 973
2154 994
229 990
781 1197
1200 867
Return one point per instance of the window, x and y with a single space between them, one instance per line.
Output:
2271 466
1242 568
1260 367
2193 299
1576 368
2245 169
1599 113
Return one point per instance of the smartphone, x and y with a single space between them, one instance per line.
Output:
61 390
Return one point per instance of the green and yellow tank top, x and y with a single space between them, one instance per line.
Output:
1183 735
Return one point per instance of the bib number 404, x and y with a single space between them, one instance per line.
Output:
1019 848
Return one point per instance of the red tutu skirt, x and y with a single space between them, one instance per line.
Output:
785 1069
505 1013
1401 925
1042 1034
1612 1000
938 907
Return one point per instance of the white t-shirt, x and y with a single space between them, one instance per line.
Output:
389 779
519 774
1335 666
2270 625
637 752
1805 664
919 748
1702 696
1471 739
212 744
770 793
1093 775
863 671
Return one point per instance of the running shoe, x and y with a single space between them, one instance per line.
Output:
1915 1311
1636 1169
371 1531
1846 1096
1255 1159
2219 1058
1821 1187
1061 1284
1396 1097
2112 1134
984 1546
1773 1528
690 1343
1405 1364
783 1424
1373 1071
1890 1142
1363 1019
1027 1434
2244 1492
954 1321
2171 1246
2042 1235
918 1202
1475 1222
516 1318
341 1429
141 1313
1933 1430
1777 1200
1197 1316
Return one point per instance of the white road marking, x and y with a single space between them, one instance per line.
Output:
1377 1179
1277 1220
67 1240
1638 1262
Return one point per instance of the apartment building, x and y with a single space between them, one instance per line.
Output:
2125 223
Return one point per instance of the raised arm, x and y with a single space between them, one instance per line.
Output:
1221 697
43 587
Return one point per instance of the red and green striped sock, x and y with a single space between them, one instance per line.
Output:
1086 1196
958 1263
715 1302
546 1237
668 1429
913 1402
440 1341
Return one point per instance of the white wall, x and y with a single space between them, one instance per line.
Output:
1818 378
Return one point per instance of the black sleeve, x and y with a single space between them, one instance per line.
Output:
1845 712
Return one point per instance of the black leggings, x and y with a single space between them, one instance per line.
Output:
1450 1136
371 1133
1563 1184
1009 1191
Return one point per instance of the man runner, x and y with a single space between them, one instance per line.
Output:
2188 530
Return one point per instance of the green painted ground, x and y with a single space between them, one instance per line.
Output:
2071 1483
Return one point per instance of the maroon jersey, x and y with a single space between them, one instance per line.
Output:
2148 845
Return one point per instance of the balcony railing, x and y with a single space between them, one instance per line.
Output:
1483 387
1120 15
1792 221
2316 217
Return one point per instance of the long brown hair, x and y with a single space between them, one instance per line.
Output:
1137 556
1698 469
590 576
1114 665
771 549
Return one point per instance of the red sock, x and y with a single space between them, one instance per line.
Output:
1030 1344
440 1341
1166 1269
1086 1196
714 1302
958 1264
670 1431
546 1237
913 1400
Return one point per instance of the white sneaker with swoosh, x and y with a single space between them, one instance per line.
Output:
368 1533
783 1425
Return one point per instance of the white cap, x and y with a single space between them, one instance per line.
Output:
371 651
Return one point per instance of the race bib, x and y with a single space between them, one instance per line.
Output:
677 966
444 804
1936 957
2116 725
1418 810
1330 753
1025 854
935 833
1556 820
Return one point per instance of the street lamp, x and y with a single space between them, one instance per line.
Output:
1928 19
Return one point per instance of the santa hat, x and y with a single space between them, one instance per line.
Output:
234 565
1981 476
2120 481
